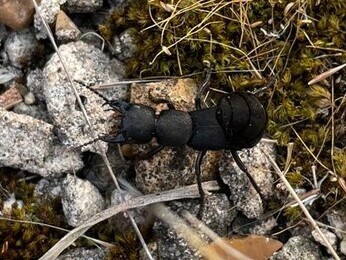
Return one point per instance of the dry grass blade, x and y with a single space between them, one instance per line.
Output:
140 201
326 74
182 228
301 205
97 241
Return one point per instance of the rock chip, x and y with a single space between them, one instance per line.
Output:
65 29
48 188
80 200
83 254
34 82
35 111
48 10
337 219
29 144
16 14
21 47
6 75
142 216
90 66
84 6
10 97
331 237
298 248
123 45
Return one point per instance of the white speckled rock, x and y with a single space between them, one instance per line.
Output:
48 10
329 235
83 254
20 48
89 65
80 200
65 29
28 144
84 6
298 248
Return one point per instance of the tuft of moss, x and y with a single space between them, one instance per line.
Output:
24 240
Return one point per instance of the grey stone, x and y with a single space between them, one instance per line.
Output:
331 237
34 82
97 172
298 248
83 254
337 219
35 111
84 6
20 48
216 215
90 66
123 45
244 226
65 29
243 194
48 188
5 75
171 167
80 200
142 216
29 144
48 10
116 3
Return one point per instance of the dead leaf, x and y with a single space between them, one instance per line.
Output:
253 246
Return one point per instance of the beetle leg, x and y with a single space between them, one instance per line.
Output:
198 163
243 168
202 88
119 138
161 100
118 105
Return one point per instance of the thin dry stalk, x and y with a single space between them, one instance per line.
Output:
134 202
301 205
326 74
97 241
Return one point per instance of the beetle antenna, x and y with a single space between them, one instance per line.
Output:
109 102
87 143
268 85
94 91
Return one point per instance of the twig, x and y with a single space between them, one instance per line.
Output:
134 202
301 205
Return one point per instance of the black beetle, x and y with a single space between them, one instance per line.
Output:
238 121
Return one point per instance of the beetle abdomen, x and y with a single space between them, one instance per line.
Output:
173 128
207 131
243 118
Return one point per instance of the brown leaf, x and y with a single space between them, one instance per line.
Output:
253 246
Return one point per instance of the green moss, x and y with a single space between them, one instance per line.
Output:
314 40
24 240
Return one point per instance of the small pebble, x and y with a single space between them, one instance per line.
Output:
80 200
